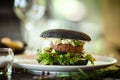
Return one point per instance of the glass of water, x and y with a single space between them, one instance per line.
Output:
6 60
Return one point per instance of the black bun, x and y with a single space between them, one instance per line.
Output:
66 34
80 62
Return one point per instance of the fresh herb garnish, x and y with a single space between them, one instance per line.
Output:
100 74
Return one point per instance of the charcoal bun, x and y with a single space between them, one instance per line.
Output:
80 62
65 34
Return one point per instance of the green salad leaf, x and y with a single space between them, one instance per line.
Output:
55 57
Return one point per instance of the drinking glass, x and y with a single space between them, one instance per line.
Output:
6 60
30 13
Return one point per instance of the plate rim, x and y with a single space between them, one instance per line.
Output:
66 67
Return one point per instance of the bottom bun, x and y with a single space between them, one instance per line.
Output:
80 62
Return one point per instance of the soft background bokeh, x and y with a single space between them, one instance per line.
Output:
111 18
98 18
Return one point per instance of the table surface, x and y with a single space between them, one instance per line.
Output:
109 73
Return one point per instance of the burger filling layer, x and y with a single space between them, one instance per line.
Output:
64 52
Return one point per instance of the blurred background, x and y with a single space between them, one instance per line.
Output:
9 23
24 20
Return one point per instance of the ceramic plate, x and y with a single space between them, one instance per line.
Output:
29 62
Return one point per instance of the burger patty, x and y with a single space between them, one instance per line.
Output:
67 48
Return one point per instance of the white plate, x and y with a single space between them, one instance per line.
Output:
29 62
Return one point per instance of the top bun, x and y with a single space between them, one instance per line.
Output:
65 34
